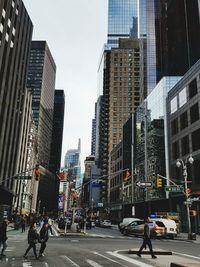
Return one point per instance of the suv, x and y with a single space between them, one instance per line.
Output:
136 228
125 222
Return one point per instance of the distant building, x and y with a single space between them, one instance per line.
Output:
15 42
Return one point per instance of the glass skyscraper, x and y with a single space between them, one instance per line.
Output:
135 19
122 20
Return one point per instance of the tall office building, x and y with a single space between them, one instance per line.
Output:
41 81
177 27
93 137
15 41
56 145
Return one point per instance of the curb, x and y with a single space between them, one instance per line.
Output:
173 264
148 252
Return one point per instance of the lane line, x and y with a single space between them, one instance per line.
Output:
27 264
103 256
93 263
46 264
71 261
186 255
137 263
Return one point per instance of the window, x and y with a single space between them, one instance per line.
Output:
195 140
185 145
175 150
193 88
182 97
174 126
194 113
173 105
183 120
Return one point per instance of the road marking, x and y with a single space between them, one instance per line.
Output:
93 263
96 253
27 264
46 264
138 263
186 255
71 261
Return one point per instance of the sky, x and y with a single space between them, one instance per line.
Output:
75 31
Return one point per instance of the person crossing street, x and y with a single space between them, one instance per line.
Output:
43 238
146 240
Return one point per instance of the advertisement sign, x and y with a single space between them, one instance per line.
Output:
60 202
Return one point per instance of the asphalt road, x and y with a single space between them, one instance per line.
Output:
107 247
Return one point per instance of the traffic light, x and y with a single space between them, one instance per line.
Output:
193 213
37 171
159 182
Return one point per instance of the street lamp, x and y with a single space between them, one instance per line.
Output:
180 162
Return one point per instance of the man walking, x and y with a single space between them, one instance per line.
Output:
146 240
32 240
3 237
44 236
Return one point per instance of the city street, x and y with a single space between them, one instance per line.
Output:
101 247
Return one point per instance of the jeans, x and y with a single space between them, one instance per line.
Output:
33 246
146 242
4 243
42 248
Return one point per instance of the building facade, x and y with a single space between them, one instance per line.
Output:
15 39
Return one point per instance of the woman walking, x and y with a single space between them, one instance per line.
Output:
32 240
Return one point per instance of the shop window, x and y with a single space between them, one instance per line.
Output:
183 120
194 113
174 126
195 140
175 150
185 145
192 88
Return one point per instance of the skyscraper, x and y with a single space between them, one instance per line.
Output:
41 81
56 145
177 27
15 41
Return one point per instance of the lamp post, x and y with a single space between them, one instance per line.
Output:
180 162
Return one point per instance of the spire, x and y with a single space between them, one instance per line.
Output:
79 144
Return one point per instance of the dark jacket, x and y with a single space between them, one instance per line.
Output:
32 236
3 232
146 230
44 234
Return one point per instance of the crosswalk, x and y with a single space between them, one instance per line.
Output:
109 236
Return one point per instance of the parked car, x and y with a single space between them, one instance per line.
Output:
62 221
157 228
105 223
170 226
125 222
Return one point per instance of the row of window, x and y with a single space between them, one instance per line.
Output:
183 119
184 144
181 99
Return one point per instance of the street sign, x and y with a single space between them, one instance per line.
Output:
23 177
174 189
144 184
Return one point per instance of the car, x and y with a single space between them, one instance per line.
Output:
125 222
157 228
105 223
170 226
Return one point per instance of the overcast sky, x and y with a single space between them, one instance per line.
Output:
75 31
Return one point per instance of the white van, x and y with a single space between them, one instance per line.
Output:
170 225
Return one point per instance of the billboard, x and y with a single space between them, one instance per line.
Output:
60 201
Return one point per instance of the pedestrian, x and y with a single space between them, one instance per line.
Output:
23 224
43 238
50 223
3 237
146 240
32 240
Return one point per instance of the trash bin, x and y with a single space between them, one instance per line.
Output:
192 236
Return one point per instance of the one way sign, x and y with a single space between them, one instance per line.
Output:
144 184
